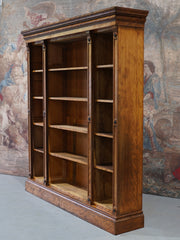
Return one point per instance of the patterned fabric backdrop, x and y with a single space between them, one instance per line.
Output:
161 83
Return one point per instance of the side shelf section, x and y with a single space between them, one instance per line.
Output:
35 105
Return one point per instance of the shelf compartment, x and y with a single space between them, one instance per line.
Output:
67 69
74 143
36 82
104 118
103 187
70 157
36 56
71 128
70 190
102 42
37 139
71 54
75 99
103 151
69 178
37 110
68 84
37 164
105 168
103 84
106 135
69 113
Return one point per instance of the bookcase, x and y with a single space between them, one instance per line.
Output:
85 105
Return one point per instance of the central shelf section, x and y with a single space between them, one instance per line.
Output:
68 117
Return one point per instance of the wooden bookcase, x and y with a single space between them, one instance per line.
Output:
85 78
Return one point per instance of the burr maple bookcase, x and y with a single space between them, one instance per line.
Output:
85 78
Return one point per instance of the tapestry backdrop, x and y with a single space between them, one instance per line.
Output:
161 83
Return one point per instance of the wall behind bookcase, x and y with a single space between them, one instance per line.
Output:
161 92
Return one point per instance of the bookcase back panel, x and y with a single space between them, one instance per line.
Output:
62 171
57 140
38 164
103 186
76 143
76 83
36 57
104 117
71 83
70 142
68 113
67 54
56 84
37 114
37 85
103 151
37 137
103 48
104 83
57 170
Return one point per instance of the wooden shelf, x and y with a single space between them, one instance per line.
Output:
104 100
38 97
37 71
39 124
104 66
106 204
75 99
106 168
40 150
70 157
71 190
67 69
71 128
107 135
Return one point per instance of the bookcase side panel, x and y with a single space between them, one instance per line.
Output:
130 119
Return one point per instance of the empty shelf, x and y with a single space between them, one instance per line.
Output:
104 100
75 99
105 66
107 135
40 150
37 71
71 128
38 97
70 190
70 157
67 69
40 124
106 168
105 205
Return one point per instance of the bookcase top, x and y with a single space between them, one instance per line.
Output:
105 18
